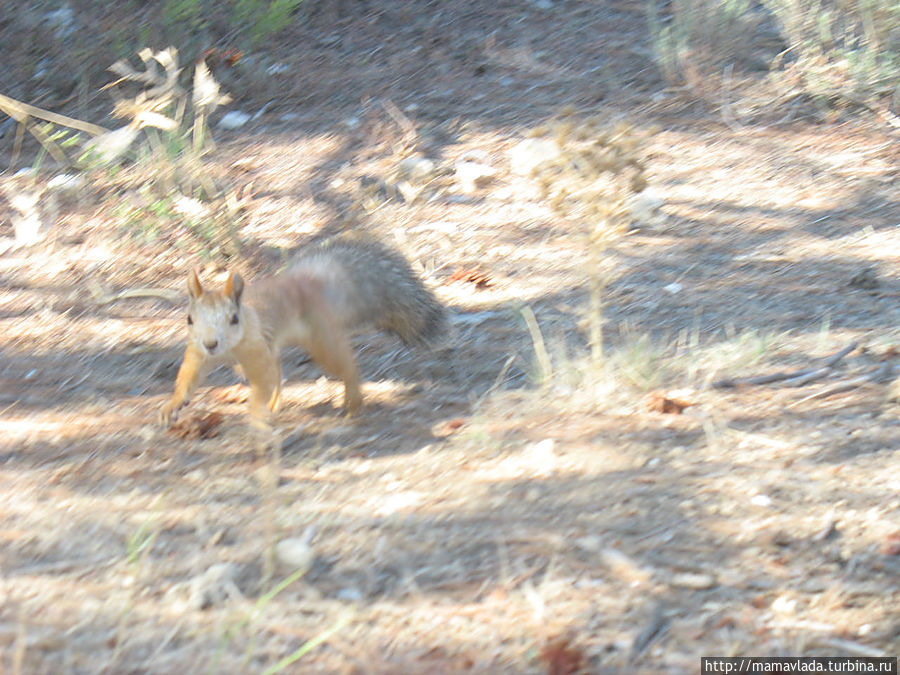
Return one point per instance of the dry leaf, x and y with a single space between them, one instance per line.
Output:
472 275
561 657
214 57
448 427
198 426
661 403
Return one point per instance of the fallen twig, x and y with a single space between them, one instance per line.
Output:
23 114
20 111
807 377
879 374
656 629
794 377
104 298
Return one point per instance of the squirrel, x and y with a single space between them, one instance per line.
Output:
331 291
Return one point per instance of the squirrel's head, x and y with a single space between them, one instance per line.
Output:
215 318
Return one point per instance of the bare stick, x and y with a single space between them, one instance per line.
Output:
807 377
20 111
103 298
831 361
757 379
540 349
879 374
795 377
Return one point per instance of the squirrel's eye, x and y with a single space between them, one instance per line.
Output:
234 319
190 320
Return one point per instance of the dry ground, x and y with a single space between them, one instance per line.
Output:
468 515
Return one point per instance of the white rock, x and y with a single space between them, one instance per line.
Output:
694 580
590 543
109 147
645 208
391 504
349 594
471 170
530 153
233 119
214 586
190 207
66 183
294 553
416 167
34 214
542 457
785 604
761 500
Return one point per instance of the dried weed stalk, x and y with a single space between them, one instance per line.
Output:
589 182
175 182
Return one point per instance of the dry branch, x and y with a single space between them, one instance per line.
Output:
656 629
793 377
102 297
23 114
21 111
880 373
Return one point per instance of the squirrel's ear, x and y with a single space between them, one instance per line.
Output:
234 286
194 288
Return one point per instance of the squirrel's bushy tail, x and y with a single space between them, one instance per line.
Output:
369 283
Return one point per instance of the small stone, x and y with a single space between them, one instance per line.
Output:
66 183
471 171
530 153
645 209
108 148
416 167
233 119
696 581
761 500
294 553
215 586
349 595
590 543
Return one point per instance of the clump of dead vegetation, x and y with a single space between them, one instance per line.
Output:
151 170
590 181
588 173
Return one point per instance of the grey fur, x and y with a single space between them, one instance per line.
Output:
366 283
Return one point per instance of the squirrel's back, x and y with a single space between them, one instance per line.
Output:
366 283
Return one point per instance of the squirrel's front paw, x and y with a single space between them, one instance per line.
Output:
167 415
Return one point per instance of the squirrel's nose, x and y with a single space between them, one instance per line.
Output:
211 345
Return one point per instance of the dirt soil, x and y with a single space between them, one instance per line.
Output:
469 519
